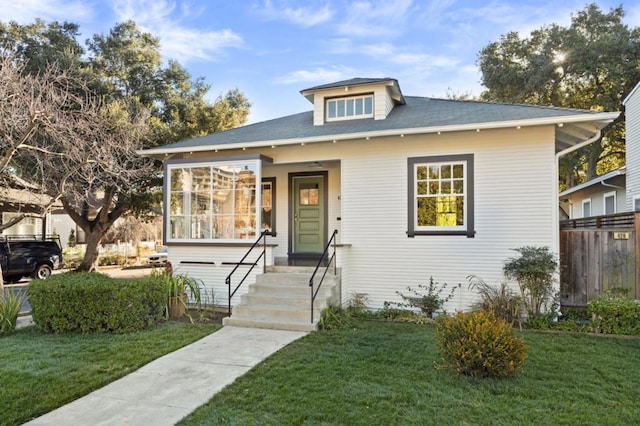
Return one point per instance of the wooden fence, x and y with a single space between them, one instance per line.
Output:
598 253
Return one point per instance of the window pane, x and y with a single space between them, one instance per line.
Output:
267 206
180 179
426 212
340 108
460 211
178 229
458 186
445 171
434 172
458 171
332 109
609 205
434 188
445 187
349 107
368 105
421 172
359 108
423 188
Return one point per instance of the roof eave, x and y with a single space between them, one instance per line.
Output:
601 118
594 181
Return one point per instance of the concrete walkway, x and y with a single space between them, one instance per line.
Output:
169 388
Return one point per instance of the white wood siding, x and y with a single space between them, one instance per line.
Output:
515 205
514 180
596 194
382 103
213 276
633 148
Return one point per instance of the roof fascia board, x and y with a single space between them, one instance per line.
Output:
634 90
605 118
594 181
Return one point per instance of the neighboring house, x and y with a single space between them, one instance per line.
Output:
416 188
603 195
22 199
617 191
632 147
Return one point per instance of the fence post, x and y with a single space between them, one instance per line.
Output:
636 248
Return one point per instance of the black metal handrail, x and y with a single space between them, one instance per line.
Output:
242 262
335 269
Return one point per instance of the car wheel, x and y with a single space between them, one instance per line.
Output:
42 271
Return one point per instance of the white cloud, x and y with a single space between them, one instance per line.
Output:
376 18
303 16
178 39
317 75
406 57
25 11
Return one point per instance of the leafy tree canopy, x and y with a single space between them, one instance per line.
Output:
591 64
128 99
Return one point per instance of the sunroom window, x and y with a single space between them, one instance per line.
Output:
350 107
215 201
441 195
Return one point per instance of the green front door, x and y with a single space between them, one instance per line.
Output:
308 214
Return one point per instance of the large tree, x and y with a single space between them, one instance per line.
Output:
591 64
142 103
42 115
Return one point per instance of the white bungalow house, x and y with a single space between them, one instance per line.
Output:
414 187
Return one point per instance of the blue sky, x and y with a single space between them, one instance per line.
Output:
272 49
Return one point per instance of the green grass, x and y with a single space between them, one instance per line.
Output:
383 373
40 372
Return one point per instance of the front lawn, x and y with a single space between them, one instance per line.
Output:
40 372
383 373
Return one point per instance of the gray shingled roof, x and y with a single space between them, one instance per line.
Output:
351 82
418 112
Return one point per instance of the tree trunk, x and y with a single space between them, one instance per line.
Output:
595 150
90 261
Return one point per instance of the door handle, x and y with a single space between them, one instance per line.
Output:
295 217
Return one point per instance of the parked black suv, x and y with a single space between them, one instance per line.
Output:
22 257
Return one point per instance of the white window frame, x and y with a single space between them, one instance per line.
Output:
585 202
604 202
181 164
354 115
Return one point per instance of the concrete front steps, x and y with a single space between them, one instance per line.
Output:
281 299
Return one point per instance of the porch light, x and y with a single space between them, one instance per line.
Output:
316 165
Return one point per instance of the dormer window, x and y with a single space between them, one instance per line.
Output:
346 108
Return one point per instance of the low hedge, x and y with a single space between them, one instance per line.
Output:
615 315
95 303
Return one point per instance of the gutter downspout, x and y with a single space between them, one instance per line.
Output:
608 185
556 222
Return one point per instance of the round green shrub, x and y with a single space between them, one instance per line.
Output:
478 344
95 303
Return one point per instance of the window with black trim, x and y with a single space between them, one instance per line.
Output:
441 195
213 201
